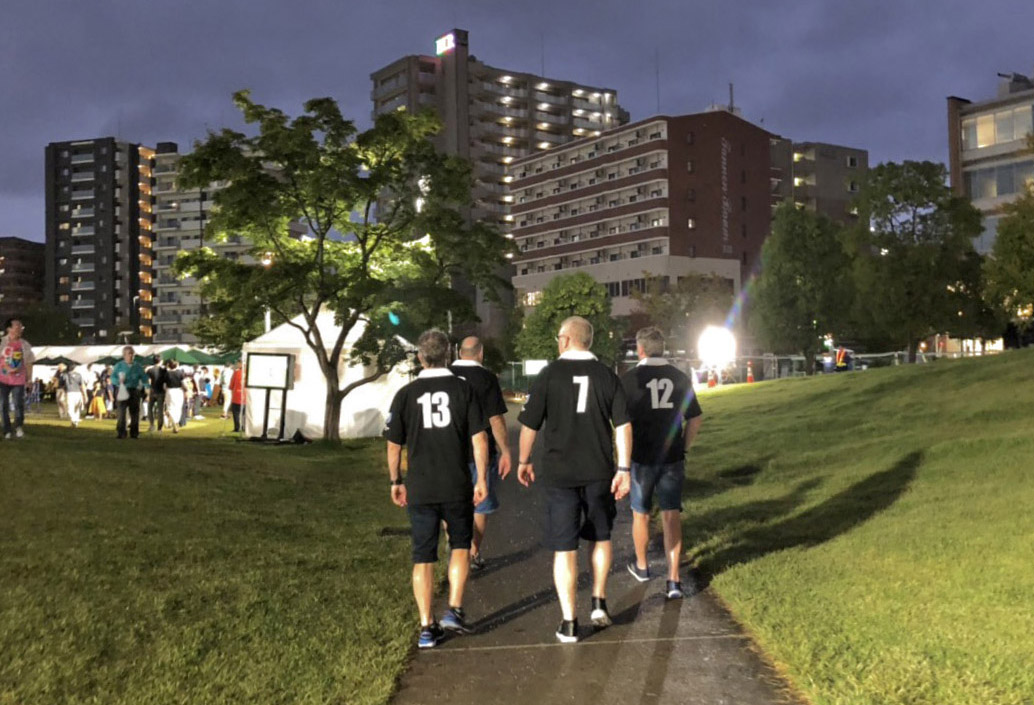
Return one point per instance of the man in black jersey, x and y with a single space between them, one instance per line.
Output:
666 417
490 395
579 404
437 416
156 400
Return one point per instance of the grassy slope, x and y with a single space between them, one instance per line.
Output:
875 531
197 570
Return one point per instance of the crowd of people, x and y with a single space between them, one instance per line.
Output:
163 393
451 422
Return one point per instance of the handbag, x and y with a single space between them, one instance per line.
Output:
123 392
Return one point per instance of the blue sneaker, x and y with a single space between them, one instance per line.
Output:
674 590
430 636
640 575
456 621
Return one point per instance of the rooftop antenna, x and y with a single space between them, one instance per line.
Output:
542 46
657 76
732 103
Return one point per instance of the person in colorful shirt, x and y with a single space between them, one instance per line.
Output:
129 373
15 373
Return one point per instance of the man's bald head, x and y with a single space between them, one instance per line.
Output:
579 332
471 348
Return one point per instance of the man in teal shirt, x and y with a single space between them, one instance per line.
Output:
130 380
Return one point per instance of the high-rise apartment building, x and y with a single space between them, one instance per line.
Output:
667 196
182 215
989 157
823 178
22 271
98 236
492 116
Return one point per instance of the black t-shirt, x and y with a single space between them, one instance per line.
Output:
174 379
576 398
158 377
435 417
660 400
486 389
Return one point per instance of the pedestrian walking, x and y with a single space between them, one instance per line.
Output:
470 367
437 418
75 394
579 405
130 381
237 395
224 381
16 360
156 398
60 393
666 417
174 381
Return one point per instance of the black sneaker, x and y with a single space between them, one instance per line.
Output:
642 575
674 590
567 632
600 618
456 621
476 562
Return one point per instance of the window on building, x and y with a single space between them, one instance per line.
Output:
743 229
743 203
852 162
689 166
692 250
691 223
690 137
853 187
744 258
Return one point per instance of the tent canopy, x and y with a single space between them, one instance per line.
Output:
180 355
55 361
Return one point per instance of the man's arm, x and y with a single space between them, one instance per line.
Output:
498 424
692 429
622 482
480 441
398 492
525 470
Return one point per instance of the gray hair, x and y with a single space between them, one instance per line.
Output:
434 348
579 330
651 340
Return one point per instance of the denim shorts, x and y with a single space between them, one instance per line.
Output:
665 480
490 503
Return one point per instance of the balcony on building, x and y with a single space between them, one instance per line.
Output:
82 176
84 322
83 267
82 195
83 250
82 158
83 286
83 304
83 213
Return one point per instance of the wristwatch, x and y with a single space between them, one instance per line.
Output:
398 481
621 469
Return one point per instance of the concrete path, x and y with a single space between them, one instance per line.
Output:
688 652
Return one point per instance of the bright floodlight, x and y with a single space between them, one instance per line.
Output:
717 346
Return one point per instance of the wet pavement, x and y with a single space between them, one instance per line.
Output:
686 651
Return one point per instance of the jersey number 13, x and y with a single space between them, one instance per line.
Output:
435 409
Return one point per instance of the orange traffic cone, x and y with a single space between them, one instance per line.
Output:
750 372
712 379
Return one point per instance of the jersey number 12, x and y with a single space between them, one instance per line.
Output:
436 409
660 392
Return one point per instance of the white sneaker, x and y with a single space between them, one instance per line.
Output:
7 436
199 418
19 433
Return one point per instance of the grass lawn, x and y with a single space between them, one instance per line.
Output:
195 569
875 530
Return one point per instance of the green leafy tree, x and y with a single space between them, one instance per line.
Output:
564 296
1009 270
804 289
914 266
386 233
47 325
684 309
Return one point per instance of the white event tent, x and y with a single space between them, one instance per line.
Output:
363 411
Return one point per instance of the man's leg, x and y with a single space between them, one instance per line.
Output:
19 407
120 425
5 407
480 524
423 591
672 542
459 569
134 413
565 576
601 559
640 537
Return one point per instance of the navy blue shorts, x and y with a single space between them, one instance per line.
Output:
586 512
664 480
426 522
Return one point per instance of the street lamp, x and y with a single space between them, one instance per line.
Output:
267 262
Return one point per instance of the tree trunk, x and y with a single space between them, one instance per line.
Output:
332 408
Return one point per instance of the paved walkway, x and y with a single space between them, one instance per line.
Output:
688 652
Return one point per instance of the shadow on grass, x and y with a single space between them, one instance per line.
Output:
836 516
740 476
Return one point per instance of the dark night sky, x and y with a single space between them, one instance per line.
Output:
869 73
